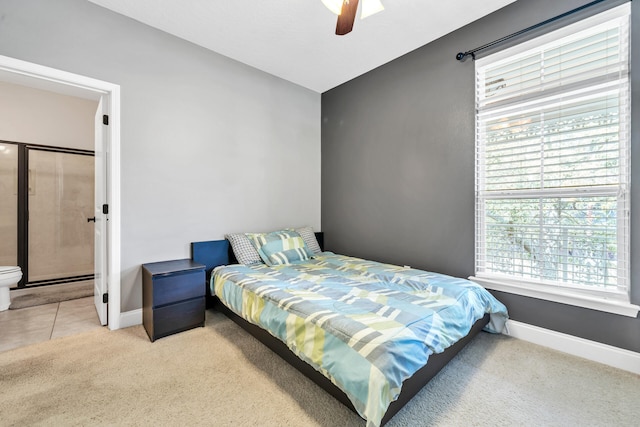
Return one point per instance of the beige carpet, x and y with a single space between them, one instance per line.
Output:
221 376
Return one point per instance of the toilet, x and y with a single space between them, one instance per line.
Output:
9 276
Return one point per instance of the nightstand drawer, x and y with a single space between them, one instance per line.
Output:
173 297
170 288
178 317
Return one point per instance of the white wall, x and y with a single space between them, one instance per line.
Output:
36 116
208 145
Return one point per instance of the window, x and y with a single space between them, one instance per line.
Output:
552 165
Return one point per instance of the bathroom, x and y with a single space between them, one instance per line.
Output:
47 192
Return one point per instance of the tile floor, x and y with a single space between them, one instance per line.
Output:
44 322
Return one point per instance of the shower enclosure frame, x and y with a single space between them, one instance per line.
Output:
23 212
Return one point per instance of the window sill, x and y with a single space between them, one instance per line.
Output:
622 308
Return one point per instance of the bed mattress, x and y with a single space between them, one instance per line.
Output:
366 326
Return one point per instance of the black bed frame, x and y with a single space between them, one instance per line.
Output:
218 252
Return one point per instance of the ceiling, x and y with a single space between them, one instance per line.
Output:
295 40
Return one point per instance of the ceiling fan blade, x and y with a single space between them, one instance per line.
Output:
347 17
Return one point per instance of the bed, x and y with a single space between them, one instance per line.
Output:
361 330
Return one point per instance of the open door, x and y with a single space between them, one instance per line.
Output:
100 295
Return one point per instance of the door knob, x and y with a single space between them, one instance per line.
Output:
91 219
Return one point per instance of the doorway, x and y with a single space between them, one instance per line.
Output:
107 126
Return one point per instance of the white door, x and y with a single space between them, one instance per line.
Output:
100 264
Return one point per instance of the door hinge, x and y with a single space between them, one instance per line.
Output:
105 209
105 298
105 120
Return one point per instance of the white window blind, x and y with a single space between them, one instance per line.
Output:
552 159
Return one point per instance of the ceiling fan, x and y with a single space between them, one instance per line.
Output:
346 11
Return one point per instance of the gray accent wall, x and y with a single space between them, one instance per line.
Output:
208 145
398 166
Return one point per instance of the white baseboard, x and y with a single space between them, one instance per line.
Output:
591 350
131 318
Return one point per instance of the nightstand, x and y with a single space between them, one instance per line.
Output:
173 297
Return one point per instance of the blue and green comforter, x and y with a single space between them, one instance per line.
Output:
366 326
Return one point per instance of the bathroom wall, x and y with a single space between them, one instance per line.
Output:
36 116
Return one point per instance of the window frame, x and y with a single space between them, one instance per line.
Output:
612 301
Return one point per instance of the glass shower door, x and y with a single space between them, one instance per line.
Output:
60 200
8 204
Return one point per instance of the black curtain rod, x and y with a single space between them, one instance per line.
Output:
462 55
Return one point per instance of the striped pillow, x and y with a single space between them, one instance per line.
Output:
280 247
